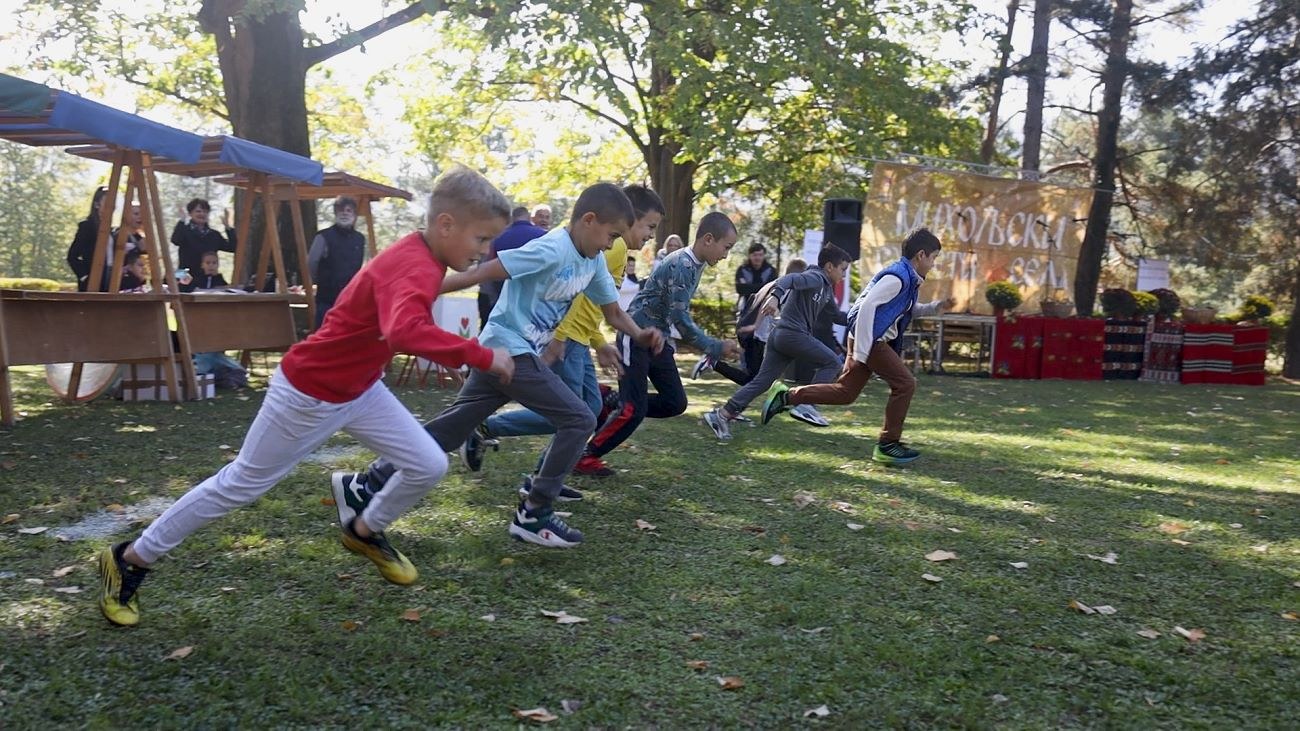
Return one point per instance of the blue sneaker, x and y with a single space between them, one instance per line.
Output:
567 494
543 527
476 447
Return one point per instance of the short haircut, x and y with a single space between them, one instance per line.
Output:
644 200
197 203
345 201
755 248
212 254
461 191
918 240
607 201
519 213
796 265
541 207
714 223
832 254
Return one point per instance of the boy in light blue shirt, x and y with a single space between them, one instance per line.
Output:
542 279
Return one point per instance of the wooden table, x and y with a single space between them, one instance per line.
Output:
984 325
37 328
252 321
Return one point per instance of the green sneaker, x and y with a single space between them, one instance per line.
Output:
778 400
894 453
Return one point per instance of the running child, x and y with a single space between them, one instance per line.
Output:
542 279
331 382
663 303
877 322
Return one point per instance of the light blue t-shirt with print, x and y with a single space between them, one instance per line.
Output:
546 274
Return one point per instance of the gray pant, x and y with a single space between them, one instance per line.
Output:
535 387
785 346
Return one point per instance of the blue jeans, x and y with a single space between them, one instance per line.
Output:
577 372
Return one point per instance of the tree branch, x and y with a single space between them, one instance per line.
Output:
313 55
178 96
1088 112
621 124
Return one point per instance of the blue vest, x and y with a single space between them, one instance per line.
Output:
898 309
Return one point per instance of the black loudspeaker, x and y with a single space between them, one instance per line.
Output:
842 224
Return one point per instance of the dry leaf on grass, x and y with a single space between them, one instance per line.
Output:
697 664
33 531
818 712
343 577
563 617
570 706
1192 635
536 715
776 559
843 507
804 499
730 682
814 630
642 525
940 555
180 653
1019 564
695 637
1105 609
1291 616
410 615
1173 528
507 561
1150 634
489 618
932 578
1179 542
327 501
60 573
992 638
69 589
855 526
910 525
954 530
894 502
1261 548
1111 557
1234 525
349 625
115 508
757 530
1079 606
9 518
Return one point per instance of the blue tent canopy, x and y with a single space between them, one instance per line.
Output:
35 114
226 155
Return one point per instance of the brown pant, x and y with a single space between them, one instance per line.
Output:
882 361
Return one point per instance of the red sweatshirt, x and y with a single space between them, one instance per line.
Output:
386 309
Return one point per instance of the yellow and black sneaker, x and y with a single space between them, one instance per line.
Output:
118 582
391 563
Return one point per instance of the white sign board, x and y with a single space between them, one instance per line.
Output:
812 246
1152 274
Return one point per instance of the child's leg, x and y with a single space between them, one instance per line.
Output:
538 388
754 349
575 369
844 390
669 398
381 423
632 390
288 426
884 362
775 362
738 376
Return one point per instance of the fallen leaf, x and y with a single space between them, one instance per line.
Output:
1019 564
1173 528
1179 542
1150 634
932 578
38 582
894 502
757 530
115 508
410 615
1234 525
343 577
327 501
1292 616
9 518
730 682
954 530
1192 635
60 573
489 618
642 525
843 507
223 446
180 653
992 638
855 526
1111 557
697 664
436 633
69 589
804 499
8 464
507 561
536 715
1081 607
818 712
999 698
776 559
563 617
814 630
33 531
570 706
910 525
1261 548
1105 609
940 556
1221 461
1049 520
349 625
695 637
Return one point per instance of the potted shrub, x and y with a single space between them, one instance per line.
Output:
1118 304
1147 304
1003 295
1255 308
1199 315
1169 303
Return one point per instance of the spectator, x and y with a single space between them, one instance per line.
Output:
630 285
210 278
520 231
752 275
542 217
82 248
671 244
193 238
336 255
133 273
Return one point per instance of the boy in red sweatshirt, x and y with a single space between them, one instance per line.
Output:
331 382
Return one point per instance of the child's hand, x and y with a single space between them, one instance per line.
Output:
607 357
651 339
730 349
948 304
503 366
554 351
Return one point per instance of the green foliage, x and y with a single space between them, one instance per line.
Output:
1003 295
1256 307
1145 304
716 317
41 202
1118 303
33 283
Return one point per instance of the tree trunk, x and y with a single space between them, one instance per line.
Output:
1291 355
1094 239
673 181
1036 73
999 78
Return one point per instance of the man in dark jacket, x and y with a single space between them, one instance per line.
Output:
193 238
336 255
752 275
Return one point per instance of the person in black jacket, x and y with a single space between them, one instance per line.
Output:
336 255
752 275
82 248
193 238
210 278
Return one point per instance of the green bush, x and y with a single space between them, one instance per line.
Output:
1118 303
716 317
41 285
1256 307
1003 295
1277 325
1147 304
1170 303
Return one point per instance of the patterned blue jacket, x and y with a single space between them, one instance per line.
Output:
665 300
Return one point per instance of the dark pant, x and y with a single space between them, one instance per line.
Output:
882 361
635 401
536 387
783 348
322 307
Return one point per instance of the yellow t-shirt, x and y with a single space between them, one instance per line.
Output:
584 319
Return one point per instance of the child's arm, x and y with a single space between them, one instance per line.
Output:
493 271
404 305
884 290
935 307
682 286
648 337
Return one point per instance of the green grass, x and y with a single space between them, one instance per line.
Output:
1041 472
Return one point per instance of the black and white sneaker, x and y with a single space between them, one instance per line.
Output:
567 494
475 447
808 414
543 527
705 364
351 494
714 419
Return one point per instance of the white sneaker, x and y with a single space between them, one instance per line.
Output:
705 364
714 419
808 414
350 494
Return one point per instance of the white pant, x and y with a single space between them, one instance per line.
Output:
288 427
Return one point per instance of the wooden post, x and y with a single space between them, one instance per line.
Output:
304 267
6 396
370 226
243 229
119 246
95 281
273 238
164 275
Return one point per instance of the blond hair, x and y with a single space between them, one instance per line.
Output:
461 191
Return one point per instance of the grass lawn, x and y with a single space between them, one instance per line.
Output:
1195 490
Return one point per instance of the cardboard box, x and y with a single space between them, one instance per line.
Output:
158 391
